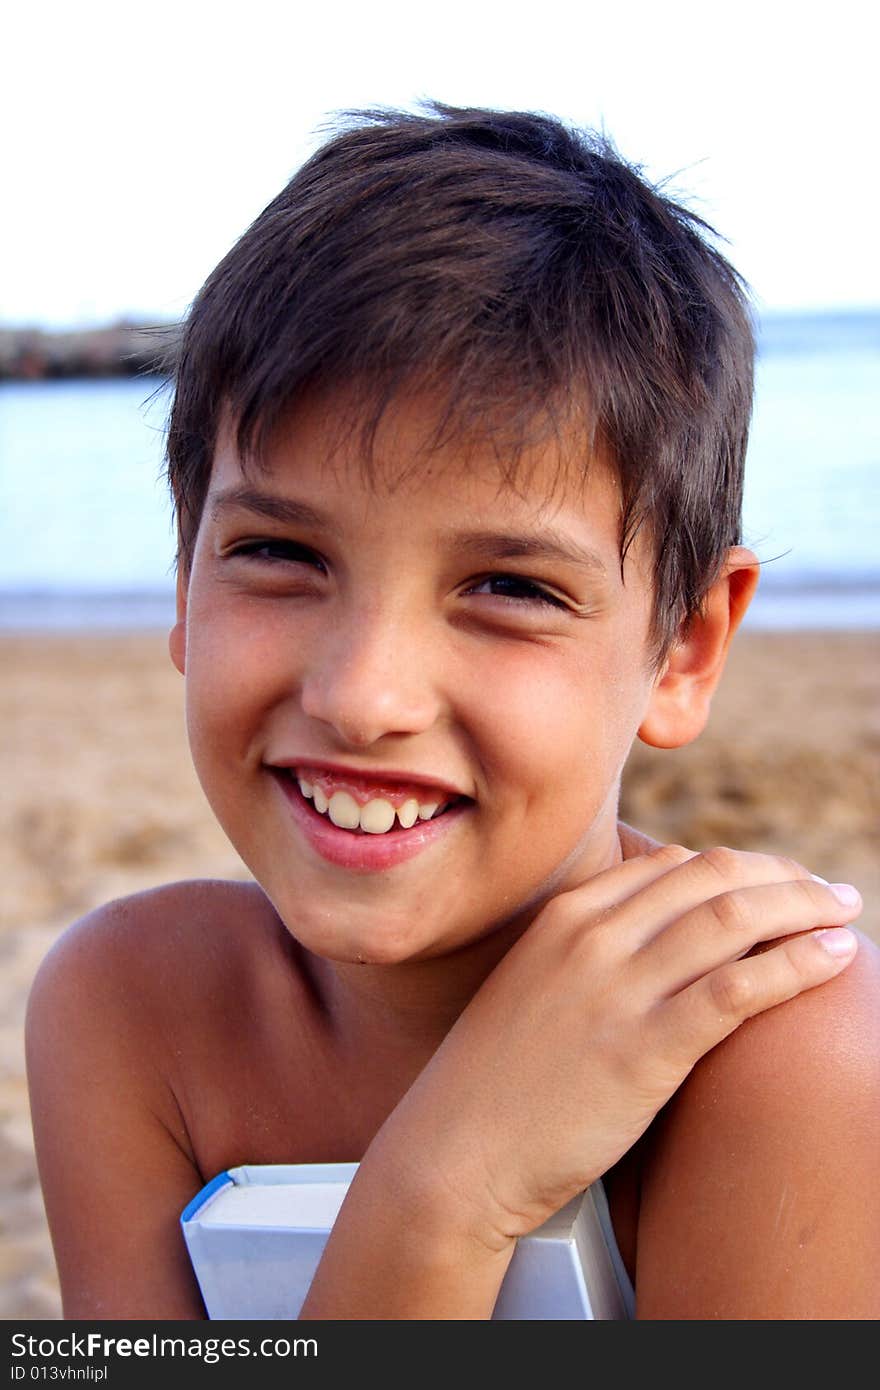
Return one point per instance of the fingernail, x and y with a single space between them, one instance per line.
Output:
837 941
819 880
845 893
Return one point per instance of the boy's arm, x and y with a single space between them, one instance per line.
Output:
761 1188
559 1064
110 1144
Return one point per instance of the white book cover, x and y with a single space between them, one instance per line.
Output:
255 1235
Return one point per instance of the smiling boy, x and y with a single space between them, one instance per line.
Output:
484 639
457 453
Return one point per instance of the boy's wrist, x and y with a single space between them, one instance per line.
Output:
438 1201
402 1247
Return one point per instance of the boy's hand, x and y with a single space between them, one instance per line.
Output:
593 1020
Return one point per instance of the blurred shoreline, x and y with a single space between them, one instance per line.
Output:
129 347
124 348
827 602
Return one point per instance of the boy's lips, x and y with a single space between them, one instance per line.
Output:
354 848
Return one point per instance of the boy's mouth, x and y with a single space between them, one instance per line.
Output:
354 808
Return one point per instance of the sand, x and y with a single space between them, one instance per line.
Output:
99 799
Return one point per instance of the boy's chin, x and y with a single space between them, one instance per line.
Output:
362 937
373 936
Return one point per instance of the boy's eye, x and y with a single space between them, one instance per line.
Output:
273 550
517 588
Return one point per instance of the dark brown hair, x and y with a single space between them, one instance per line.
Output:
524 268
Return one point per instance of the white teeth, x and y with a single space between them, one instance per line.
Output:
377 816
344 811
408 813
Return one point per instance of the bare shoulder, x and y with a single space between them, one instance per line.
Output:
165 981
761 1178
151 952
119 1006
174 918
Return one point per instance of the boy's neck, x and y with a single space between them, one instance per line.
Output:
405 1011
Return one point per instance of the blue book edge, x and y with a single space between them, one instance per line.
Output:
222 1180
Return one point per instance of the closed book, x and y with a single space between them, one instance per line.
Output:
255 1236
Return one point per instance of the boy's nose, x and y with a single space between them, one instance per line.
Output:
371 679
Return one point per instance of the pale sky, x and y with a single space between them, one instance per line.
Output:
140 141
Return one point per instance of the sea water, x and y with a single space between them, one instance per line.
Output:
86 535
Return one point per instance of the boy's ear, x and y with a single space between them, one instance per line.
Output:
679 704
177 635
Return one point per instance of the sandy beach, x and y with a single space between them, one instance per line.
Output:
99 799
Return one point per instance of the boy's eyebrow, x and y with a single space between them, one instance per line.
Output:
546 544
253 499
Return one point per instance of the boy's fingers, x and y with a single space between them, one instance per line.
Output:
656 889
727 927
703 1014
615 885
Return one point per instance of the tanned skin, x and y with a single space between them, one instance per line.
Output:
540 998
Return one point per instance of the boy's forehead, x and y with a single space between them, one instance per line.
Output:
412 448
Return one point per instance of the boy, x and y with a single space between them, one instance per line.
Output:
456 451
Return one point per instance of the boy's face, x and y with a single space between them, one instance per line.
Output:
442 636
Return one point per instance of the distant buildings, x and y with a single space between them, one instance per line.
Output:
119 349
